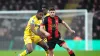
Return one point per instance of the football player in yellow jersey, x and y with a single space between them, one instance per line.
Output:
33 35
45 11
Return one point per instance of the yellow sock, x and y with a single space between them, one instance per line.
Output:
23 53
47 53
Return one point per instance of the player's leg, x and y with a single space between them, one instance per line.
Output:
44 46
28 43
71 53
28 50
40 42
64 45
51 52
51 45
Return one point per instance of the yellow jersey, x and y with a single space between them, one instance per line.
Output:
33 20
47 14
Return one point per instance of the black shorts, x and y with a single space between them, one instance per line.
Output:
53 43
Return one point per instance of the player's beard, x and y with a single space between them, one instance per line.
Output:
52 15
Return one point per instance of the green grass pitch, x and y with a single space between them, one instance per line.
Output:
57 53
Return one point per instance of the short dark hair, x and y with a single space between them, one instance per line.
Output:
44 6
51 9
40 10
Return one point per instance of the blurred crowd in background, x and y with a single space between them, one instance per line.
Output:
30 4
11 28
90 5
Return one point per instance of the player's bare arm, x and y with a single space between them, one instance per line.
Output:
68 27
43 31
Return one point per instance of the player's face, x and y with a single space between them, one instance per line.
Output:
52 13
40 15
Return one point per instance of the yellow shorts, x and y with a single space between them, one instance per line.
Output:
32 39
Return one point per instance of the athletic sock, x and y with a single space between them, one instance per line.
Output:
71 53
47 52
24 53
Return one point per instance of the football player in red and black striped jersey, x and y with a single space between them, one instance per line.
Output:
51 31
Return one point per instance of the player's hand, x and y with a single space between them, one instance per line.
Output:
72 31
47 34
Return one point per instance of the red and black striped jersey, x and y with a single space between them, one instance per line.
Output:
51 26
